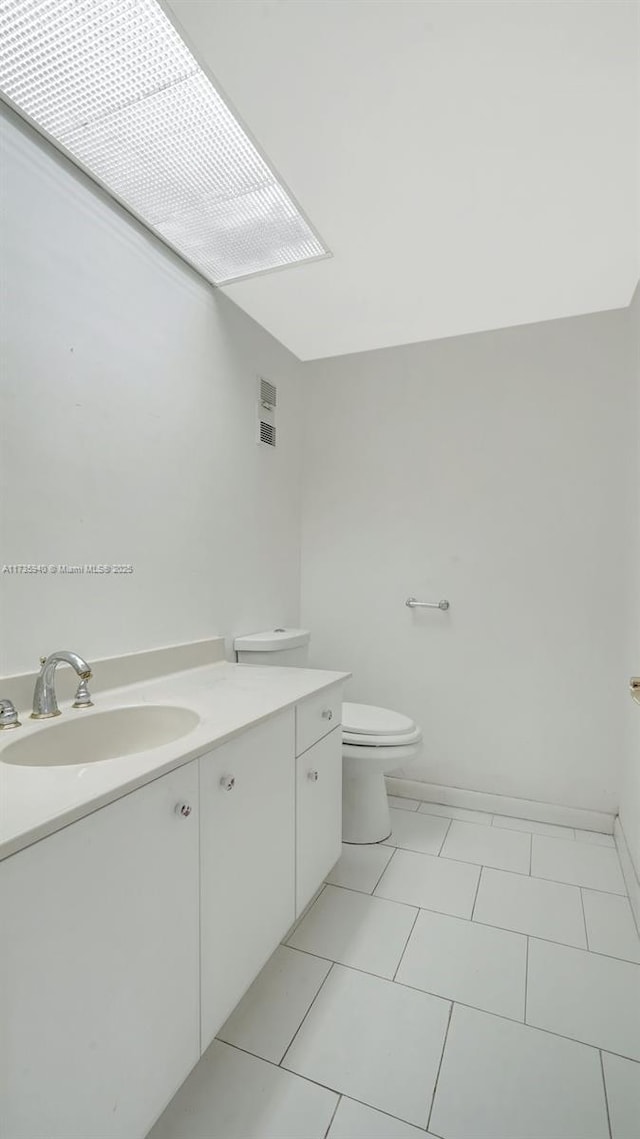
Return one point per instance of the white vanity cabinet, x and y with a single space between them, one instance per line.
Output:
128 937
99 1001
247 850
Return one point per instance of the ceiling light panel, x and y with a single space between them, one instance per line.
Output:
242 231
112 82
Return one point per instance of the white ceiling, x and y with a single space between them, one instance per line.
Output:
470 165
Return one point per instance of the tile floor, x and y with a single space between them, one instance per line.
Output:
474 977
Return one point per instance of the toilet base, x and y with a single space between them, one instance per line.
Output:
365 809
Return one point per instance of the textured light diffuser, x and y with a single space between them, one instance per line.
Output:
113 83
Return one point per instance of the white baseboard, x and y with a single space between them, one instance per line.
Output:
502 805
628 869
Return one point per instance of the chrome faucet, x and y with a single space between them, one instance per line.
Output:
44 696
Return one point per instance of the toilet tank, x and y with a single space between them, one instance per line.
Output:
289 647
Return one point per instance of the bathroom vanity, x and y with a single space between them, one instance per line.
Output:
131 931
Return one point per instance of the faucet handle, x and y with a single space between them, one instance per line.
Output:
8 715
83 696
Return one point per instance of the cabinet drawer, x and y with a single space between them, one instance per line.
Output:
318 815
317 716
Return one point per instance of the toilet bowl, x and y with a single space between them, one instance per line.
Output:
375 741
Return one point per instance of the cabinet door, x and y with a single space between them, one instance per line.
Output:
99 968
247 850
318 814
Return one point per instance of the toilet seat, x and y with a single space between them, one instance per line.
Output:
369 720
366 725
382 741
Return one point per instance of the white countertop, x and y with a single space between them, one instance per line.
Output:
36 801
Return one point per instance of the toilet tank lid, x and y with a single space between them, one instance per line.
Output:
272 640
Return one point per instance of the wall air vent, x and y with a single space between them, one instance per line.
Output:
267 433
268 394
267 397
113 85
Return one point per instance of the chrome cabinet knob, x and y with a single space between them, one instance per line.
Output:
327 714
313 776
183 809
228 782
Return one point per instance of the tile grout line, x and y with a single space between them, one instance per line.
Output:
317 1084
455 818
584 919
435 1086
465 1004
508 870
334 1113
293 1038
364 1103
384 871
475 896
537 937
563 882
526 981
356 889
468 862
537 878
444 837
476 921
512 1020
519 830
541 834
288 1071
380 1110
504 869
376 897
306 911
606 1097
437 996
431 854
594 890
404 948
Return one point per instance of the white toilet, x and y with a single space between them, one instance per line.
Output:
375 741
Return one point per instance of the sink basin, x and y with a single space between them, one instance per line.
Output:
101 735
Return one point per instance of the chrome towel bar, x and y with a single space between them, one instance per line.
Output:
413 603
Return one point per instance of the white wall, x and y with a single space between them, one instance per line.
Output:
494 470
630 775
127 432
